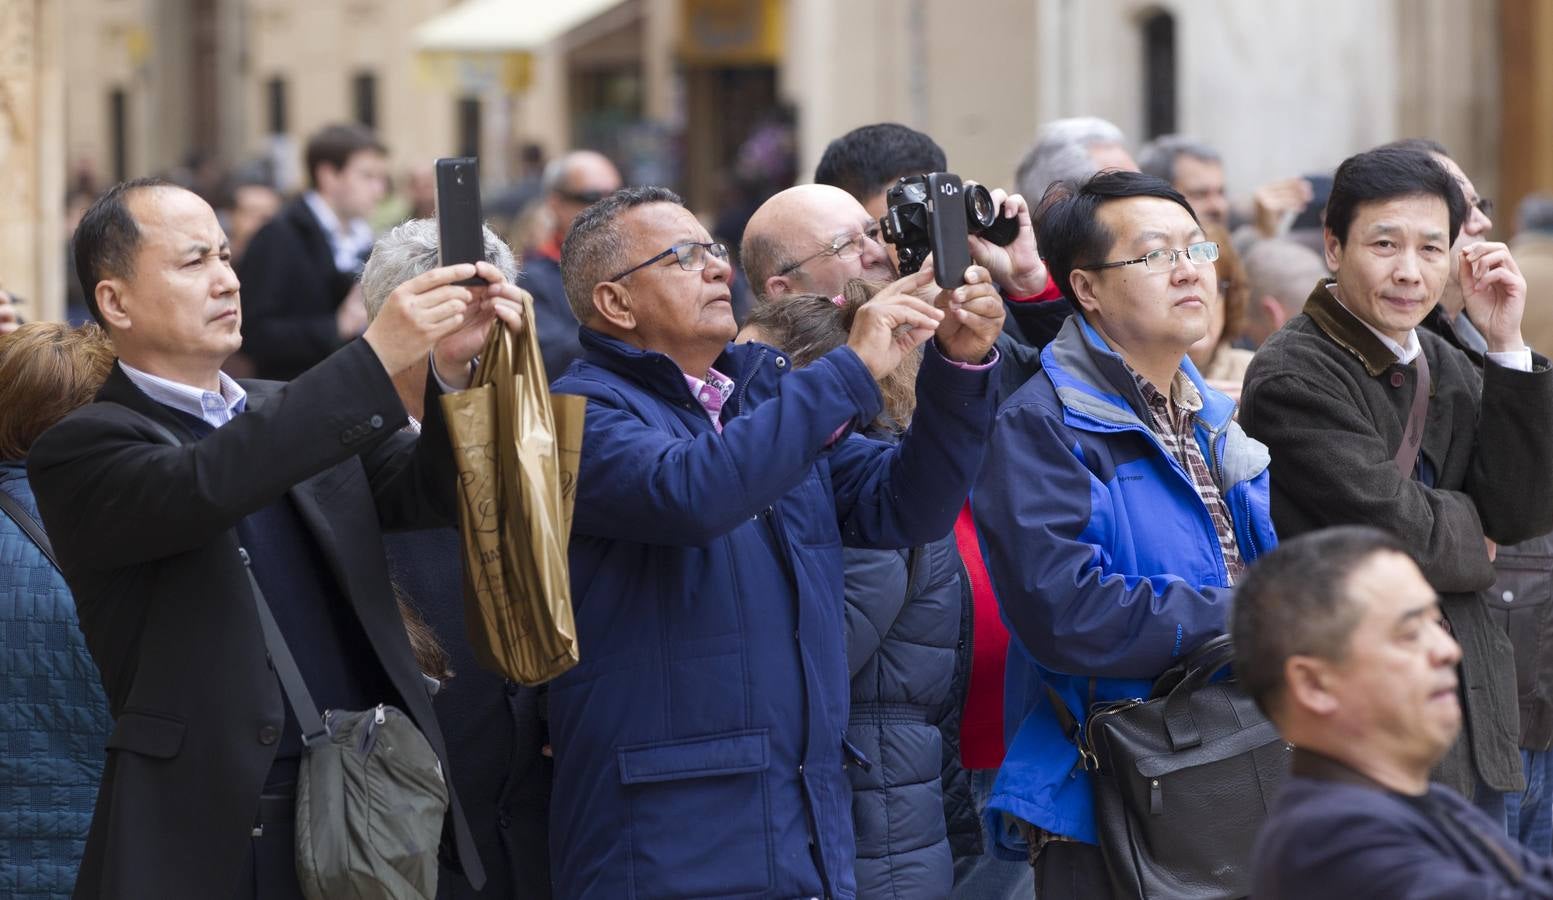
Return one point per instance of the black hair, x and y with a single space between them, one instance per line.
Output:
107 239
1387 173
1423 145
866 160
1068 228
594 248
336 144
1295 601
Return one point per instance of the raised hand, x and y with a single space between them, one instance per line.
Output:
417 315
498 299
1495 294
894 323
1278 202
973 318
1017 268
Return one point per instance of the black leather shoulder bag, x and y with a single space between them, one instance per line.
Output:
1182 781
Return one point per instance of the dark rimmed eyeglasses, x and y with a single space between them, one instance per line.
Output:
691 257
1164 259
848 246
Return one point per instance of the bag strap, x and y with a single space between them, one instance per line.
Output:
1200 666
30 526
291 683
1197 666
1413 433
297 694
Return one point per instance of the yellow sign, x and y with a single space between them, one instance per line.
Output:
731 32
475 72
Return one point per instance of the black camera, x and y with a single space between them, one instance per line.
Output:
933 214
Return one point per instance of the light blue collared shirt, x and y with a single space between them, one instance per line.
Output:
215 409
350 242
218 409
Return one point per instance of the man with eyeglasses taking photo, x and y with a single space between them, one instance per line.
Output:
700 743
1118 505
814 238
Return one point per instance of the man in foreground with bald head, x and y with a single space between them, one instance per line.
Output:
814 238
570 184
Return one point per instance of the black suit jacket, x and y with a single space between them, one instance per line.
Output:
291 291
145 533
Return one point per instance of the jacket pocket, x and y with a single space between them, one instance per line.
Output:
1519 602
698 816
146 733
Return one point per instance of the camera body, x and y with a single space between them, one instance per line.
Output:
934 213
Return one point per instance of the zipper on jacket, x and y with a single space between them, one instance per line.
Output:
774 522
1249 544
743 389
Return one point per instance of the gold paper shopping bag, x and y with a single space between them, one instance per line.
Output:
517 450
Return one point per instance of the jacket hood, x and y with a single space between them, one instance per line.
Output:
1093 382
1092 379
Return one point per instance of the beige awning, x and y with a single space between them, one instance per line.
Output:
504 26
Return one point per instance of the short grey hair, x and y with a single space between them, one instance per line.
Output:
1061 153
1284 270
411 249
1535 213
762 256
1158 157
595 248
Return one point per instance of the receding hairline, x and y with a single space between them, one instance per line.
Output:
1149 232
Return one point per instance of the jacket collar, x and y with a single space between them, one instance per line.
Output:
1093 382
1345 329
1320 767
1091 378
659 374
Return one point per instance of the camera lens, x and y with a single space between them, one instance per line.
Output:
983 217
978 207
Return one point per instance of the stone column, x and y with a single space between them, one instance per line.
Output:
1526 73
32 170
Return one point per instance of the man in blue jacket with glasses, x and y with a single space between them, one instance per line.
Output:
700 743
1118 505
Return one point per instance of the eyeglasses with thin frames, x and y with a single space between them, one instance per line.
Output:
1164 259
691 257
846 247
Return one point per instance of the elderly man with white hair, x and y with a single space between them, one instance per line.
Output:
405 252
1071 150
492 726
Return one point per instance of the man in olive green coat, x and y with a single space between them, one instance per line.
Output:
1331 394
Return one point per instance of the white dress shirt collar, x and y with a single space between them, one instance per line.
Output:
350 243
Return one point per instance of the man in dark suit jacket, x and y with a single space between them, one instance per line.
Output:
300 269
1342 643
153 539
